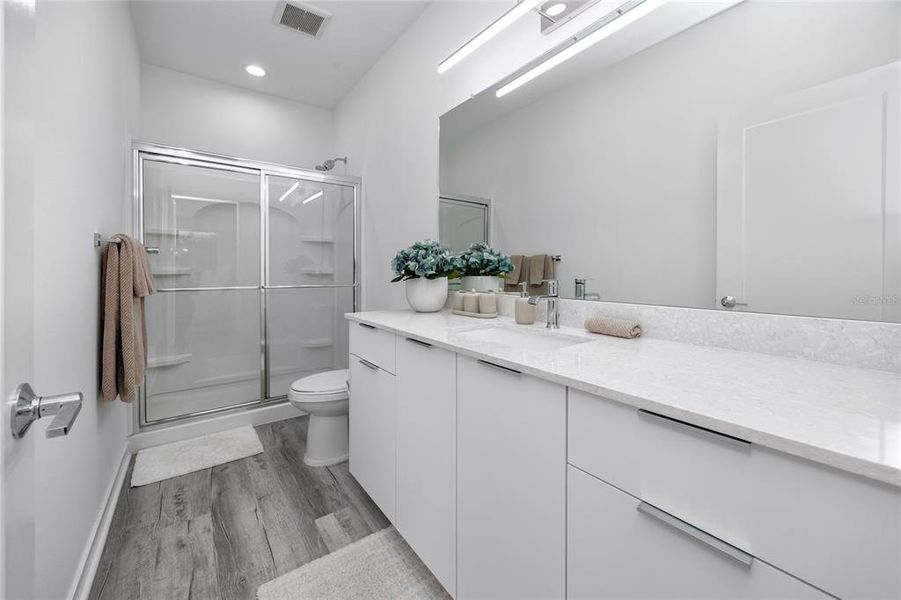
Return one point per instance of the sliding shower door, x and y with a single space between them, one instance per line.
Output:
309 277
202 233
254 266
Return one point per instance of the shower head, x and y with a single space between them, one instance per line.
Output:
329 164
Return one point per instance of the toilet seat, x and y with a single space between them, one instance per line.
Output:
322 387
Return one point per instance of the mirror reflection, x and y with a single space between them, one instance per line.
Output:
749 162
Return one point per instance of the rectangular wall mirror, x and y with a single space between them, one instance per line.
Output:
749 162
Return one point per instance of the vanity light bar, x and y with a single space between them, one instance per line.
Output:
619 19
505 20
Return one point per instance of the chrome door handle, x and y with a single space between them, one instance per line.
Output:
491 364
731 302
368 364
419 342
698 534
151 250
29 407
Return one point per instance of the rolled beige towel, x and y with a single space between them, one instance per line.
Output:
615 327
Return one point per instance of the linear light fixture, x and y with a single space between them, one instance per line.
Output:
314 196
288 193
604 28
505 20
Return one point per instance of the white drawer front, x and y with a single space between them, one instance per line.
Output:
824 526
375 345
616 551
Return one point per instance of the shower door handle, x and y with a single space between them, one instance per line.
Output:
151 250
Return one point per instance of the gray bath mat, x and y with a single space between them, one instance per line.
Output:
179 458
381 566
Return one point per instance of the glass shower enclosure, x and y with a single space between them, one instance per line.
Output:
255 265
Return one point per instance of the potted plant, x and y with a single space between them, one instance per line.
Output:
424 267
483 268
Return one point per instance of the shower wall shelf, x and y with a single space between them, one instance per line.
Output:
178 233
315 271
172 272
320 343
158 362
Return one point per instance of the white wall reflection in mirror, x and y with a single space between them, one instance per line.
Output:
753 155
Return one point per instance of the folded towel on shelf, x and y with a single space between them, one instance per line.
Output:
615 327
125 281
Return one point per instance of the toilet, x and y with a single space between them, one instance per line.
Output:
324 397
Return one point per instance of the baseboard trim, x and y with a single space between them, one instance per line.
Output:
166 434
91 558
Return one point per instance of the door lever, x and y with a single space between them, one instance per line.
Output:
731 302
29 407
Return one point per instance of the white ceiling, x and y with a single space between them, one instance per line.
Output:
217 39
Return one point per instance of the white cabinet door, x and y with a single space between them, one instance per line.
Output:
372 432
511 484
426 455
615 550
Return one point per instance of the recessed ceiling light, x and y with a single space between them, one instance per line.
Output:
255 70
555 9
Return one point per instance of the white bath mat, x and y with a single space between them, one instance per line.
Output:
179 458
381 566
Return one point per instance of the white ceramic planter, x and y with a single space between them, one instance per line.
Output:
482 283
427 295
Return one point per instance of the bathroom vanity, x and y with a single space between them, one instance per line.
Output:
519 463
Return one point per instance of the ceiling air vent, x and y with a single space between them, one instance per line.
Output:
302 17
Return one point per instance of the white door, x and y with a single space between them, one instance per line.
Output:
17 68
808 201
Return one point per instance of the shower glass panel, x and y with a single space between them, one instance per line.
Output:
311 232
307 333
254 266
201 225
204 351
202 231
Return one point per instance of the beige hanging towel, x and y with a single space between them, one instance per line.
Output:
126 281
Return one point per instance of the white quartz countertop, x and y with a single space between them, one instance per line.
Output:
845 417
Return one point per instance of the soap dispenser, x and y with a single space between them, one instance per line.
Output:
525 313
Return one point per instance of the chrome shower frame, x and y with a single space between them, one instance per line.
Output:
142 151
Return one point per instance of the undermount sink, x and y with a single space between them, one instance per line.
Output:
530 340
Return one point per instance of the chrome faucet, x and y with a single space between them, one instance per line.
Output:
551 298
580 288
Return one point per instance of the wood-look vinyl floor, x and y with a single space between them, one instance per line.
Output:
223 531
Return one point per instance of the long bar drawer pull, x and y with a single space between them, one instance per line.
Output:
698 534
491 364
419 342
368 364
366 325
703 430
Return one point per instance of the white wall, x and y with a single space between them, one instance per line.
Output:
200 114
88 76
618 172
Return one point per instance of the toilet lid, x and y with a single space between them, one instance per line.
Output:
322 383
